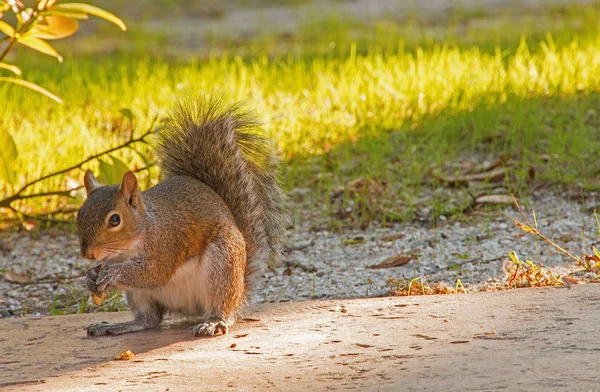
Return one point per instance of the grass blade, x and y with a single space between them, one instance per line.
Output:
31 86
12 68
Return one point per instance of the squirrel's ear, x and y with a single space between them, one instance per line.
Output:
91 184
129 189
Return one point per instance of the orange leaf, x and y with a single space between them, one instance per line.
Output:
54 27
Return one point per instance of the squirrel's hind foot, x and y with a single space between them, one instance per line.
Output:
210 328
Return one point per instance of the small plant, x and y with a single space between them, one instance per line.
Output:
420 286
110 173
35 25
527 274
535 274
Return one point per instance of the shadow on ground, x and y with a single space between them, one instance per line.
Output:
529 339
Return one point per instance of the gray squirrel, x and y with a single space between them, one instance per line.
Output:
190 244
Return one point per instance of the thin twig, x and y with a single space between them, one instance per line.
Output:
45 217
92 157
520 209
6 203
528 228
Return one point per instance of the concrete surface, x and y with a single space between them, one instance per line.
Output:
528 339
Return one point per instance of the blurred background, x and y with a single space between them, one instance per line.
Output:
385 92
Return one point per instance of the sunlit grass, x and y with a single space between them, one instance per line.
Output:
387 112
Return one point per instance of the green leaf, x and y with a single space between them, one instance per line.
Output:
7 29
112 173
31 86
12 68
92 10
69 14
106 173
8 153
127 113
39 45
120 168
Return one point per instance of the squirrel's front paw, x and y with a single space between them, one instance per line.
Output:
210 328
107 278
91 275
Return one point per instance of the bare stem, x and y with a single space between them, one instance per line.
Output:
6 203
529 228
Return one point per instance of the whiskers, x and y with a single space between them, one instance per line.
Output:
117 250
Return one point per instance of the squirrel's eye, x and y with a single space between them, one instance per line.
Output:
114 220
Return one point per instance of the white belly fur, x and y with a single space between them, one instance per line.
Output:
186 292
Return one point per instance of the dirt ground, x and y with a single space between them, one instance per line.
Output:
533 339
530 339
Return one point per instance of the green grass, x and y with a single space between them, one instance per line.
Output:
389 111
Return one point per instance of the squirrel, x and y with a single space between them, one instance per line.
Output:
190 244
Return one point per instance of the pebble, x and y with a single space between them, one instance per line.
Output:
478 246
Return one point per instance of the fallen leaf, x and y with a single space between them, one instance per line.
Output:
361 186
125 356
233 345
494 200
569 281
250 320
392 237
495 175
6 247
240 336
15 277
373 187
354 241
394 261
487 166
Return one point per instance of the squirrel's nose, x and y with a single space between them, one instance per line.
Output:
89 254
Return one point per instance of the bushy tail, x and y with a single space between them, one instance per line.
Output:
222 146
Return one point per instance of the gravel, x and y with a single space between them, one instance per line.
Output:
323 264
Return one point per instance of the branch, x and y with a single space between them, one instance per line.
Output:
6 203
149 131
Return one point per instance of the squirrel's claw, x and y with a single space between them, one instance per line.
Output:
91 275
99 329
210 328
107 278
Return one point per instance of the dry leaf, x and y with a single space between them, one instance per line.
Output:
567 281
15 277
125 356
361 186
487 166
392 237
394 261
525 228
491 176
494 199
